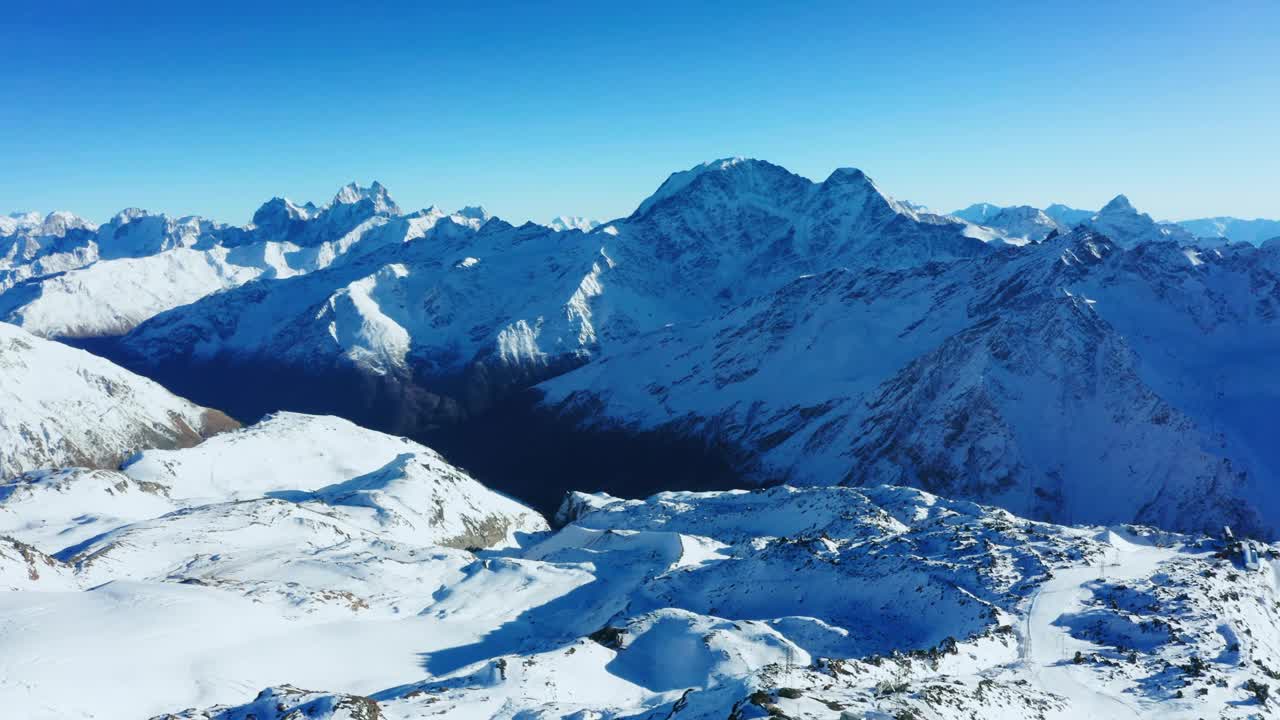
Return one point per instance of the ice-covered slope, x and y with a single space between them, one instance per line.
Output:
817 602
1064 380
62 406
89 283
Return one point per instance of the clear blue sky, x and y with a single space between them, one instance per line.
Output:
538 109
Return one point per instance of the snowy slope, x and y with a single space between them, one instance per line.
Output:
1039 379
880 602
63 406
383 484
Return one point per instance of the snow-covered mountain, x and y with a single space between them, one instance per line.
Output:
1121 222
813 602
818 332
1016 225
1067 216
63 406
1070 380
67 279
978 213
33 245
1254 232
462 314
884 378
573 222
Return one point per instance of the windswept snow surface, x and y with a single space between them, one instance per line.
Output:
880 602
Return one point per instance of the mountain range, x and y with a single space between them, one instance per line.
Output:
821 333
765 447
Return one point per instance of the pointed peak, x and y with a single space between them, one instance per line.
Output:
1119 203
278 211
349 194
848 175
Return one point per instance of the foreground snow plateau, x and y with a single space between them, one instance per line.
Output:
264 574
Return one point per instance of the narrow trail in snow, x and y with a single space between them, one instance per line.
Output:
1046 647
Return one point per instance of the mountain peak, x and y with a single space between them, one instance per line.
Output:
128 215
474 212
1119 203
735 170
978 212
562 223
847 175
352 193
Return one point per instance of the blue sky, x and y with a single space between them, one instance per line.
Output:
539 109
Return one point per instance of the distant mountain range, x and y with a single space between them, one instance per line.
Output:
1121 220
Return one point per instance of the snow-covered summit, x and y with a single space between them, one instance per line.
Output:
562 223
54 225
682 179
1120 221
376 194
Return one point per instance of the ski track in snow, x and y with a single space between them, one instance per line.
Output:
1047 648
